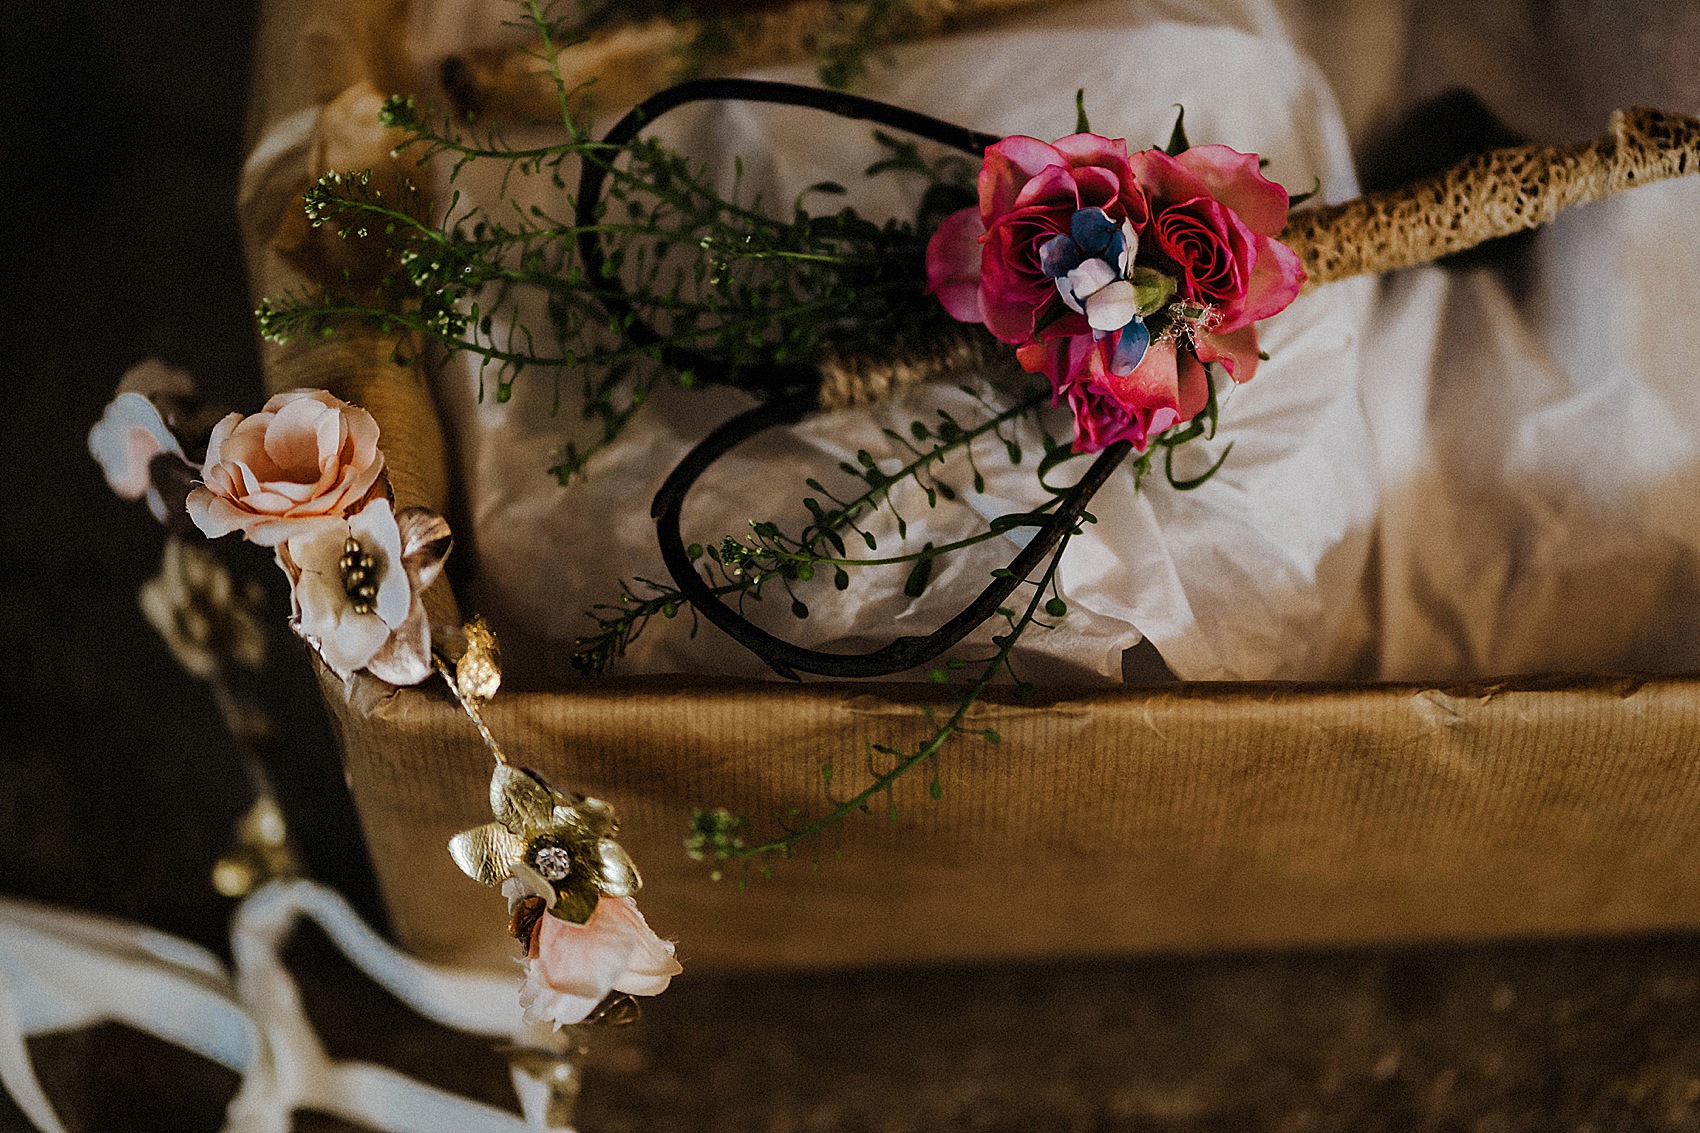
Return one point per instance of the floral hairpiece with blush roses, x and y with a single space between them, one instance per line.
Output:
305 478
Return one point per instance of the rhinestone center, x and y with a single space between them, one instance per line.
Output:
553 862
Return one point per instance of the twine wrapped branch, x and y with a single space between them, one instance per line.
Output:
623 65
1486 196
1491 194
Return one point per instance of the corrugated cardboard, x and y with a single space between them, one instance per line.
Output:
1200 816
1184 817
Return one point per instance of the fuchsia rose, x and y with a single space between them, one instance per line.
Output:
1166 388
307 455
1029 191
1215 218
1120 276
570 968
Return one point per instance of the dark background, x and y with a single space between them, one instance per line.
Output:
120 144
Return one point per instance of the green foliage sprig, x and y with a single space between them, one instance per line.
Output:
719 837
713 273
744 566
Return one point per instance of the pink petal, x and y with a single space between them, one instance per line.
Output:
1097 186
1164 179
1234 179
1012 291
1277 275
1053 187
1091 149
953 265
295 437
1193 386
323 397
215 441
1154 383
213 514
1061 353
1236 350
1008 166
650 965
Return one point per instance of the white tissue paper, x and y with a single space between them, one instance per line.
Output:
1431 478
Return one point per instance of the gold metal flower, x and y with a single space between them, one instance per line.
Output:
558 846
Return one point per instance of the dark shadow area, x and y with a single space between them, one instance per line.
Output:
118 784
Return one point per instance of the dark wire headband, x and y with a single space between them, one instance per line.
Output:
792 389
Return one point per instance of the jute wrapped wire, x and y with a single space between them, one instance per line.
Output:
1489 195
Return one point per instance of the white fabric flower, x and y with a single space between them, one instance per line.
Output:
125 441
348 612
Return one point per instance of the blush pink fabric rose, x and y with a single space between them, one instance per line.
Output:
1029 192
570 968
126 440
305 456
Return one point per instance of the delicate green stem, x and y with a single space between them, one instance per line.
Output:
927 750
892 560
553 58
845 513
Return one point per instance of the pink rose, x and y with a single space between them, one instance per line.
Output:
1215 217
305 456
1167 387
571 968
1119 277
1029 193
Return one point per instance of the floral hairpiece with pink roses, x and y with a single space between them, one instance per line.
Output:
1119 276
1122 278
305 478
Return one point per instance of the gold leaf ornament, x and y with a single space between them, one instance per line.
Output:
487 854
557 845
478 671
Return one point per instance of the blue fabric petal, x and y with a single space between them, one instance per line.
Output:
1058 256
1130 349
1115 253
1092 228
1123 247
